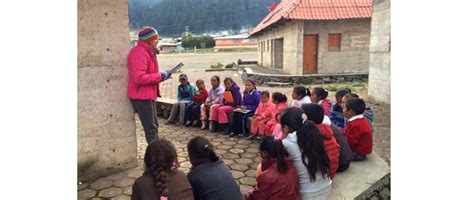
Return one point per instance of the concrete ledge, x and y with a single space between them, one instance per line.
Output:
261 78
163 106
359 178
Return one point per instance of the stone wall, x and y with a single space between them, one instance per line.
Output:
270 79
380 190
355 39
106 126
292 34
379 82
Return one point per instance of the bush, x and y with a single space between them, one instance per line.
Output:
229 66
217 66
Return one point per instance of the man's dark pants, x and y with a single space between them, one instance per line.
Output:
148 117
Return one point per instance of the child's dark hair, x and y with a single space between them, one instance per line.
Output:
342 91
351 95
275 149
320 92
159 158
198 81
309 140
302 91
279 97
217 77
251 82
356 104
228 79
265 93
200 147
314 112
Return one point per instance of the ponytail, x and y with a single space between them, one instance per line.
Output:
279 97
313 154
308 92
201 147
321 92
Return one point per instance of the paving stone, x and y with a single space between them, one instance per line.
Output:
110 192
237 174
100 184
241 146
252 150
249 155
251 173
244 161
186 164
124 182
82 186
244 189
128 190
228 162
236 151
239 167
121 197
86 194
244 142
219 139
248 181
229 142
254 165
225 147
135 173
220 151
230 156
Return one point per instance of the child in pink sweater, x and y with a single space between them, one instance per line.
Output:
273 125
263 114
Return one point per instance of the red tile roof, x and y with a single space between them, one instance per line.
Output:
316 10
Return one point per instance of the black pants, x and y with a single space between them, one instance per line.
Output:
148 117
239 125
342 168
193 112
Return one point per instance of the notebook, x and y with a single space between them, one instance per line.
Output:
228 97
177 67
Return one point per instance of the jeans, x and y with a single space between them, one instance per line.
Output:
148 117
193 112
180 108
240 122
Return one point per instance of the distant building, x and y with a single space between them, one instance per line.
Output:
315 37
167 46
234 41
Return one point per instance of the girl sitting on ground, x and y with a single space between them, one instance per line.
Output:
319 96
185 95
209 176
233 99
279 100
192 111
161 177
300 96
278 180
305 145
214 97
249 105
264 113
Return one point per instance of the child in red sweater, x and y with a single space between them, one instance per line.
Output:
315 113
193 111
358 132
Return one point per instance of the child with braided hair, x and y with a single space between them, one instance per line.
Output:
209 176
161 177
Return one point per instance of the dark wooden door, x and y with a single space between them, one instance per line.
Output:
310 54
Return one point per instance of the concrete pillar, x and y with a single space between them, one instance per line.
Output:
379 66
106 127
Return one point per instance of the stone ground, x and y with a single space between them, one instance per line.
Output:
239 154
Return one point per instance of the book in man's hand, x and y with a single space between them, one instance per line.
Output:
176 68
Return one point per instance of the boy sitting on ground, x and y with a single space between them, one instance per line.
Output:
358 132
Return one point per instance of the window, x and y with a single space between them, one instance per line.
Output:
334 42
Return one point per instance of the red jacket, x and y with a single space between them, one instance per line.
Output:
359 136
271 184
200 98
143 73
332 148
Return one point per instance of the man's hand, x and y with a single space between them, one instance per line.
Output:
165 75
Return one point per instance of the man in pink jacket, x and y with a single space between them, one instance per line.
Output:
143 79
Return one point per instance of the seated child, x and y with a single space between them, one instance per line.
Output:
263 114
319 96
273 125
300 96
358 131
315 113
249 105
278 180
185 95
209 176
214 97
161 178
337 118
192 111
368 113
218 115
